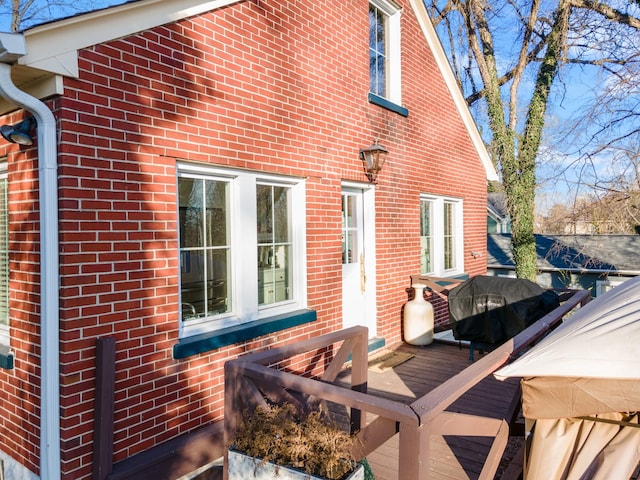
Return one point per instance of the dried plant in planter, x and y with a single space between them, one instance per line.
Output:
311 442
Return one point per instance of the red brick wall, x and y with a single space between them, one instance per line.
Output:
274 86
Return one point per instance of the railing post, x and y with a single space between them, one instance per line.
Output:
232 415
413 452
359 366
103 416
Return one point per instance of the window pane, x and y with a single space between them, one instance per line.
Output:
217 275
377 55
350 253
204 272
264 204
192 283
281 214
190 206
449 237
216 221
426 263
282 277
275 278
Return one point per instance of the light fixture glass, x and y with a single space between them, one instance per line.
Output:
19 133
373 158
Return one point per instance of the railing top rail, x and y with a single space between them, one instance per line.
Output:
326 391
437 400
549 321
279 354
437 284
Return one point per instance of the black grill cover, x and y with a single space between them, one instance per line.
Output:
492 310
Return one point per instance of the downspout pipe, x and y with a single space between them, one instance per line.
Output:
12 46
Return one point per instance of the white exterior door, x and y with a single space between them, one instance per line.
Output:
358 258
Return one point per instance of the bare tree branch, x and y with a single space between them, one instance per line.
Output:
608 12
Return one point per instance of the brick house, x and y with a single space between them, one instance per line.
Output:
195 191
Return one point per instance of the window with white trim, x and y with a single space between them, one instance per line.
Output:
384 50
441 238
4 257
242 254
603 286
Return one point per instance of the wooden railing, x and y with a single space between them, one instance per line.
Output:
255 379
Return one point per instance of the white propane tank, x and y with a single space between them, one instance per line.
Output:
418 318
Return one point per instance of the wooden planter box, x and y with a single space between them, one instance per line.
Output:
244 467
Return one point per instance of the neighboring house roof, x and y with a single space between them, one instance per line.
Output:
52 49
497 204
595 253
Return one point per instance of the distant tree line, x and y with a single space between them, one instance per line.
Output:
612 208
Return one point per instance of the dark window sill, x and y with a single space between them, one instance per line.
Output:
6 357
205 342
384 103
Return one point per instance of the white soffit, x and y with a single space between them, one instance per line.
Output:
445 69
36 83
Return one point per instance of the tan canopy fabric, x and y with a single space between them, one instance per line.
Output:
557 397
588 367
578 449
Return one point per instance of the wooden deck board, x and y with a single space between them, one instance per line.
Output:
453 457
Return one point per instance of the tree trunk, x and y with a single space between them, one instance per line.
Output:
518 172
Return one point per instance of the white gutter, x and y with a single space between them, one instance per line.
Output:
13 46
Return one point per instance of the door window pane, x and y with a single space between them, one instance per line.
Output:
350 240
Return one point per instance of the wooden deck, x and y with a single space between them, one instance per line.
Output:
430 366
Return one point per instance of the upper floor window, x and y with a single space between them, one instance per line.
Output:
241 247
441 240
384 50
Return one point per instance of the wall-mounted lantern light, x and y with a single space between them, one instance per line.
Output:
19 133
373 158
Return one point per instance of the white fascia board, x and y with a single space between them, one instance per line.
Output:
445 69
54 46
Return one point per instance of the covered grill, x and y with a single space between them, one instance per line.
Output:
487 311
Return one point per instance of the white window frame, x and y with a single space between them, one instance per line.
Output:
393 68
603 286
437 235
243 278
